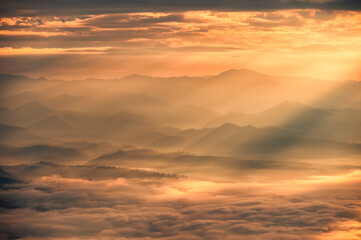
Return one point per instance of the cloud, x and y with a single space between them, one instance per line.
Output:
57 207
46 51
23 8
173 43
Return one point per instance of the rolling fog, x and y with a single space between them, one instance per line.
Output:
238 155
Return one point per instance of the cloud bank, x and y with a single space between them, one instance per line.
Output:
146 42
53 207
24 8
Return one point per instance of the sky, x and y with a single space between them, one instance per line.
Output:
112 39
240 155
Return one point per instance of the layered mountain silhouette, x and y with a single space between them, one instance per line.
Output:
15 84
13 174
39 152
237 113
265 142
18 135
335 124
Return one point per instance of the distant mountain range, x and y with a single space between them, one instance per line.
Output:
41 152
232 140
335 124
234 90
235 113
18 135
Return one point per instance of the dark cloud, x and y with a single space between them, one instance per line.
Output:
110 30
131 21
43 7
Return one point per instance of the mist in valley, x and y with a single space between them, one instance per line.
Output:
238 155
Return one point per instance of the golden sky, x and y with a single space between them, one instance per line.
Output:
303 42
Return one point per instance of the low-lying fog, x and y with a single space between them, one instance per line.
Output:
240 155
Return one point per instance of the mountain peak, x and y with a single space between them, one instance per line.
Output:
14 78
229 125
35 103
136 77
233 127
240 72
34 106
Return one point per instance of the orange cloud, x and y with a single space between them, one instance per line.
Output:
321 44
31 33
45 51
